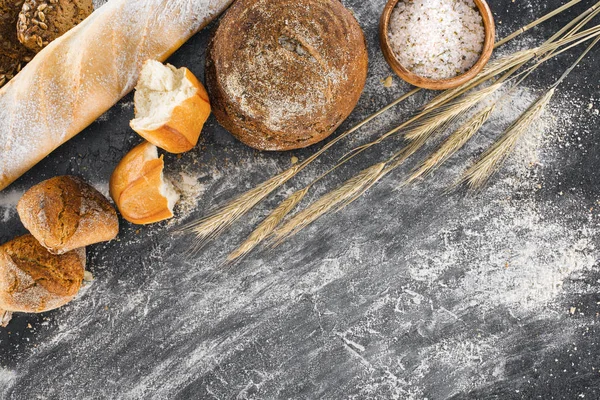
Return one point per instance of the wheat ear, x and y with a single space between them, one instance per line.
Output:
478 174
268 225
329 202
214 224
452 144
447 114
538 21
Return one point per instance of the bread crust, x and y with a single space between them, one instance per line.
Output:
13 55
42 21
285 74
34 280
135 187
65 213
183 129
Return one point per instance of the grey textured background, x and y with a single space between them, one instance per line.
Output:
407 294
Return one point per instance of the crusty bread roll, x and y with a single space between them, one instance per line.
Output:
285 74
34 280
171 107
138 187
65 213
83 73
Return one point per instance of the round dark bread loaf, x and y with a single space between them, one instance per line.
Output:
285 74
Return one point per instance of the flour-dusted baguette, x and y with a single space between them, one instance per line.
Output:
80 75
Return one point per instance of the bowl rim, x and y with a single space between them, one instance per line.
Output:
438 84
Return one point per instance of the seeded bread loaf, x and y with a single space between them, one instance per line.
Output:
285 74
13 55
33 280
83 73
65 213
42 21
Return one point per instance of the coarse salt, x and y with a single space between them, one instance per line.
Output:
437 39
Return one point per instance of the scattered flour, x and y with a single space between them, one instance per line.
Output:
8 204
7 378
442 311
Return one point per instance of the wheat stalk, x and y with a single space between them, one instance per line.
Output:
478 174
447 114
214 224
493 68
268 225
466 131
513 60
538 21
329 202
452 144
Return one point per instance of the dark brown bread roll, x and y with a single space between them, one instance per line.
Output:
285 74
13 55
65 213
42 21
33 280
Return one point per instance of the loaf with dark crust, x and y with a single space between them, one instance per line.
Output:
13 55
34 280
42 21
65 213
285 74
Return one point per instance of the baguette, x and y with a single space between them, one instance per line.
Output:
82 74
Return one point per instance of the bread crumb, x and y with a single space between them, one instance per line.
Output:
387 82
294 160
572 310
87 276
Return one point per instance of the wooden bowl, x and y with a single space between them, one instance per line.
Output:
440 84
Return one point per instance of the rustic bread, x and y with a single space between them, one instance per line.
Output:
285 74
171 107
80 75
34 280
42 21
65 213
140 190
13 55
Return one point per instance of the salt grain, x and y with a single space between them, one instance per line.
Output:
437 39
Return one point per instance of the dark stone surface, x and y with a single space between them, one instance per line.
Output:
411 294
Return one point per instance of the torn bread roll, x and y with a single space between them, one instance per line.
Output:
171 107
139 188
65 213
83 73
33 280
